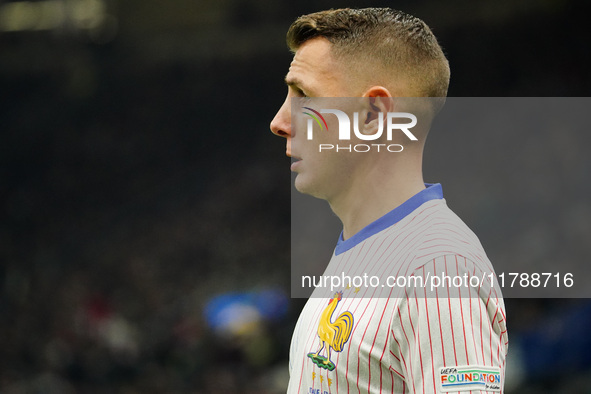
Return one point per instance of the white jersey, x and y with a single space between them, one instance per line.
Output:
394 337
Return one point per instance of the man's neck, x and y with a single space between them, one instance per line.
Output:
370 199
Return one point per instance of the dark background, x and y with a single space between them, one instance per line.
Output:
139 181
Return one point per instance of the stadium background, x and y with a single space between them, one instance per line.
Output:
144 221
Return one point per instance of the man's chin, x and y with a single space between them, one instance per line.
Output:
300 184
305 187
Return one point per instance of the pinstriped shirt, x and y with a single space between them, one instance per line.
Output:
427 314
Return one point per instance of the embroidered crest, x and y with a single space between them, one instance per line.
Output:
332 335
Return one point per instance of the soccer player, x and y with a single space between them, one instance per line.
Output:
452 339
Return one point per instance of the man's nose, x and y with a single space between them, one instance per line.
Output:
281 124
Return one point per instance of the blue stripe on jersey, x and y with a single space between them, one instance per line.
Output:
433 191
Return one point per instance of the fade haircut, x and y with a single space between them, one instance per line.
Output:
402 43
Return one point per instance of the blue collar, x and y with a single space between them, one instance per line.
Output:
433 191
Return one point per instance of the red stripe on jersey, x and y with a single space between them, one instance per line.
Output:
429 331
392 369
472 323
359 352
462 314
439 319
480 317
408 342
451 320
385 344
301 377
417 339
392 387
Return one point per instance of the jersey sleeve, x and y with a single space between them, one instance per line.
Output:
451 337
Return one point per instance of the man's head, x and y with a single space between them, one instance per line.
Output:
379 46
373 54
351 52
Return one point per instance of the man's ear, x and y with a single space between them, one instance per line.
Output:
379 103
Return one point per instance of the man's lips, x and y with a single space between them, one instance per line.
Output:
295 162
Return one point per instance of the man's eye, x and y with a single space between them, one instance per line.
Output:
304 95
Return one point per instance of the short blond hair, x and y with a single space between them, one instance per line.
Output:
403 44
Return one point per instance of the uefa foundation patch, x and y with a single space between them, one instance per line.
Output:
472 377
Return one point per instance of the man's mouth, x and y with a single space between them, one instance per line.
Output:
295 162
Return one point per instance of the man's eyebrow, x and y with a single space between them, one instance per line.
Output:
294 83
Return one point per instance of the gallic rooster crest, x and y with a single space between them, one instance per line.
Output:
332 335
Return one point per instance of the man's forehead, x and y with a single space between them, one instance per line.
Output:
312 59
298 70
304 60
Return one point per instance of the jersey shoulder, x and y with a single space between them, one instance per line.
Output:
433 231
